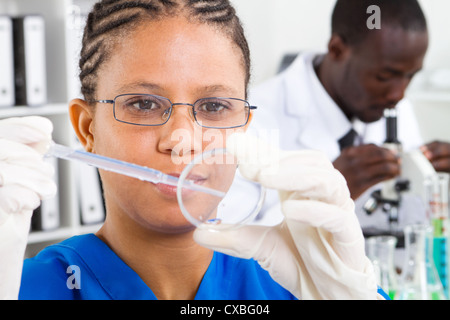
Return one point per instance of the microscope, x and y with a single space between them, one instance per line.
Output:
415 168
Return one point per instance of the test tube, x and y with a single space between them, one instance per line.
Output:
125 168
437 188
381 251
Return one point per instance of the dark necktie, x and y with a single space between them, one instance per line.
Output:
348 139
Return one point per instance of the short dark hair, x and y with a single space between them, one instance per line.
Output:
109 20
349 17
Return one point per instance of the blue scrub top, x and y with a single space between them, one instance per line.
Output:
96 272
84 267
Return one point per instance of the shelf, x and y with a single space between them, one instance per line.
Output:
93 228
46 110
43 236
430 95
61 233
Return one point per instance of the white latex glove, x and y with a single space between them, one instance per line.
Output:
317 252
25 180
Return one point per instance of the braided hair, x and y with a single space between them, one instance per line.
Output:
111 20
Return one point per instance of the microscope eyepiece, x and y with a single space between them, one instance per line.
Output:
391 126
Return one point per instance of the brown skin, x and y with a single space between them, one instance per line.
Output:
365 79
438 153
371 76
182 61
366 165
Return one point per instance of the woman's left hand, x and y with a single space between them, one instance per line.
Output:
317 252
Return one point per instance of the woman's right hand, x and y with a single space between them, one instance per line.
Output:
25 180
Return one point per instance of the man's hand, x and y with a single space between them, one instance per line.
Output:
366 165
439 155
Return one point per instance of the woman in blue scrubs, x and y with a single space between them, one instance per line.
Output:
183 51
137 56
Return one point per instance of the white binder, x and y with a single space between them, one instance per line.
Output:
75 22
46 217
29 60
90 193
7 95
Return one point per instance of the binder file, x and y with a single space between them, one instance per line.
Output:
46 216
90 193
29 60
7 95
75 22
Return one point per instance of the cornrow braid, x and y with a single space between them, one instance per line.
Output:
213 10
221 12
111 20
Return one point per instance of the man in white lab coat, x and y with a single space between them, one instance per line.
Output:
320 98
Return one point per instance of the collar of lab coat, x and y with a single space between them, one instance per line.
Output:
323 121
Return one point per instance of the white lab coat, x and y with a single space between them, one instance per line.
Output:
295 104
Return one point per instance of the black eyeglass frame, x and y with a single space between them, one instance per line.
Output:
113 102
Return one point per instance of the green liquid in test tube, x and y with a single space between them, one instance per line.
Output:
419 279
440 257
437 193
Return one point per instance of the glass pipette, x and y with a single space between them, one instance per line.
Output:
125 168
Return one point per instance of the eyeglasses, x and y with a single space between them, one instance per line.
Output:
153 110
